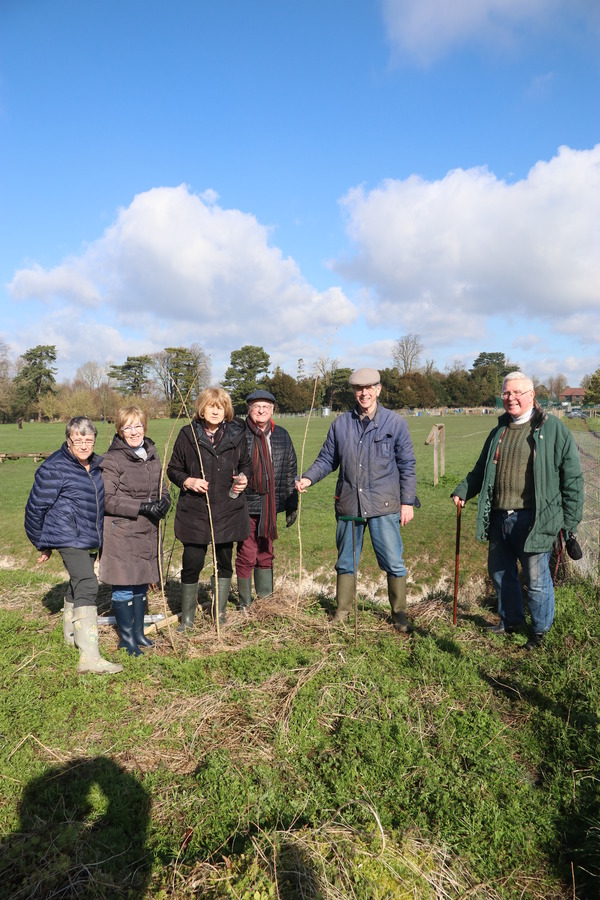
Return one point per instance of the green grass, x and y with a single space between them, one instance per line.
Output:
284 761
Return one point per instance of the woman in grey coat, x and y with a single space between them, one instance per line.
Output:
135 500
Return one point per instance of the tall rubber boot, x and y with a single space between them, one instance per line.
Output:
123 610
85 629
67 618
344 596
397 595
224 584
139 611
245 592
189 602
263 582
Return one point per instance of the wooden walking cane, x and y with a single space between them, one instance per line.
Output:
458 511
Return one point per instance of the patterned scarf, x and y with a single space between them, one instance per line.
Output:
262 480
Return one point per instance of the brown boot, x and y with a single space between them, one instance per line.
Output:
344 596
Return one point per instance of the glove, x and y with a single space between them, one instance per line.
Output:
290 518
573 548
164 504
152 511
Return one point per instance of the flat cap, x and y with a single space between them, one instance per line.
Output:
260 395
364 377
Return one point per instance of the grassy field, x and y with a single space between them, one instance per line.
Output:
287 760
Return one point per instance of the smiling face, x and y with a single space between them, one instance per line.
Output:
517 397
133 432
261 412
366 397
81 446
213 414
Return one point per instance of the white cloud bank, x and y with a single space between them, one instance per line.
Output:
176 268
442 258
426 29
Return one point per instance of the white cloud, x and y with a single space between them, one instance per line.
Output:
426 29
177 268
443 258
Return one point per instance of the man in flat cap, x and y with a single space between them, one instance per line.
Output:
271 490
376 488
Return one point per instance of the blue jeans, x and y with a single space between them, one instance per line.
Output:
386 540
121 592
507 535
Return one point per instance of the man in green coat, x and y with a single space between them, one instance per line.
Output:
530 486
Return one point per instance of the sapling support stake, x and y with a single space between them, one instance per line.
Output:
457 560
310 412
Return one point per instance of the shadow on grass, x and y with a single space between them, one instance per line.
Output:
81 833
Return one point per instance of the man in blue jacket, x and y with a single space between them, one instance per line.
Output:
376 488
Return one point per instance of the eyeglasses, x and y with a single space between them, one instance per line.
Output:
133 428
82 442
364 387
516 394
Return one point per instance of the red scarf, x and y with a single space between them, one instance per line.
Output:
262 479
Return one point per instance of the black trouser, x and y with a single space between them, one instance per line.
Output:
193 561
83 584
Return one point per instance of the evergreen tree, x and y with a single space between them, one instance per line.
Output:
243 375
35 378
132 377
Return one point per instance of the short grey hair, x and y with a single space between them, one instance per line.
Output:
82 425
518 376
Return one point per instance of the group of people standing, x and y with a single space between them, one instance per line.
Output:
236 475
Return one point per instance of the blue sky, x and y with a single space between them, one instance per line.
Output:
315 177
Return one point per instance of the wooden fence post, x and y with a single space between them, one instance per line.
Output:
437 437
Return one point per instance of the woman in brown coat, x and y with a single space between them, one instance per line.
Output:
135 499
210 460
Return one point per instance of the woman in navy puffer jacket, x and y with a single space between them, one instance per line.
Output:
65 511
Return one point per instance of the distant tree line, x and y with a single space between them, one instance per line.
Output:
169 380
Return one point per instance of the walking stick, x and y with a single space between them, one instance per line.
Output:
458 510
355 578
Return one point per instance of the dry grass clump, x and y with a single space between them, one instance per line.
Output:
338 862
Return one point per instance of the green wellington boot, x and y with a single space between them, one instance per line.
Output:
245 592
397 595
263 582
85 628
344 596
189 602
224 585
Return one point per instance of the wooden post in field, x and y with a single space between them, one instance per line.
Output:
437 437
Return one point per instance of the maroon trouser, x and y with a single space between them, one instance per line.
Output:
254 552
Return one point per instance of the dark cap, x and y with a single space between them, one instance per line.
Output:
364 377
260 395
